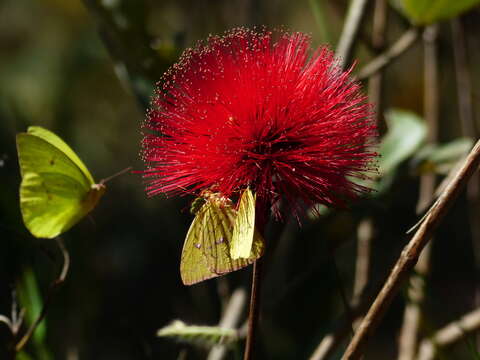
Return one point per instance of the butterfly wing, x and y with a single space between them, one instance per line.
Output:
193 264
55 193
206 251
58 143
218 233
52 203
244 227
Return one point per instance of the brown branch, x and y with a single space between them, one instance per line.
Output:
362 265
5 320
53 286
404 43
410 254
331 341
254 310
449 334
375 82
351 26
359 306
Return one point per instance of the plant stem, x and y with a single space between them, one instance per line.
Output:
449 334
410 254
363 258
53 286
254 310
375 82
392 53
355 15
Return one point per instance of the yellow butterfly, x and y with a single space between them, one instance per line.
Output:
220 239
57 190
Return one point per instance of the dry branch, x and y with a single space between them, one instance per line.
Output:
449 334
410 254
392 53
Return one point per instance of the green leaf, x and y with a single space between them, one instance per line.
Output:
206 336
442 158
406 132
424 12
244 227
23 355
31 300
57 190
472 348
206 251
319 10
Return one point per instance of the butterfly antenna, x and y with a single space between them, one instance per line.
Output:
121 172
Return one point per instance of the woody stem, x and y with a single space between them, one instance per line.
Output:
254 309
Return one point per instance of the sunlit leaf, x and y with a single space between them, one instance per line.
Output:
206 336
57 190
424 12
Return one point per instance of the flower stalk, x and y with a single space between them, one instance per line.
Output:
254 310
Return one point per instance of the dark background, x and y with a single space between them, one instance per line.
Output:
124 281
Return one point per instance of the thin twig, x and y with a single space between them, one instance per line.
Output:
343 295
351 26
362 265
6 321
409 333
254 310
392 53
53 286
331 341
375 82
449 334
410 254
234 309
230 319
359 306
463 77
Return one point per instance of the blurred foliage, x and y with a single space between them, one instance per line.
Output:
396 146
424 12
86 71
30 299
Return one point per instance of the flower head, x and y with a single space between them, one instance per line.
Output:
254 109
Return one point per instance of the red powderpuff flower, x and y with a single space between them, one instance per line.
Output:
252 109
